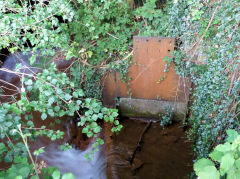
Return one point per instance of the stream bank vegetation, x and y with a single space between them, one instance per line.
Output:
96 37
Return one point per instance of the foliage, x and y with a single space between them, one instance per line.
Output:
106 38
152 19
21 169
207 51
226 156
36 24
56 97
167 118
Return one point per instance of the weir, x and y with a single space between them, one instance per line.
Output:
154 83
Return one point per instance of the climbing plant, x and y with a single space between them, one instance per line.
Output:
206 50
207 34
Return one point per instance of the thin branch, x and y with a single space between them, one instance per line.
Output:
201 38
140 141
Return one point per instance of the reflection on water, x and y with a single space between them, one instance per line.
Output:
74 161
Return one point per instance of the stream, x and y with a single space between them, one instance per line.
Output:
161 154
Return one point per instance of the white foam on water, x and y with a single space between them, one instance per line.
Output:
74 161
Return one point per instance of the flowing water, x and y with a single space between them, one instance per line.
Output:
73 161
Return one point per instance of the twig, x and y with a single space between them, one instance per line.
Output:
201 38
105 66
125 58
112 36
10 84
140 141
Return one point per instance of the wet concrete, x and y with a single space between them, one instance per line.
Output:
153 109
163 154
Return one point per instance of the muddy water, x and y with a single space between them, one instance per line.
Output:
162 154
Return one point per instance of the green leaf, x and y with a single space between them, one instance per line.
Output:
34 177
48 93
209 172
93 125
39 151
56 174
18 177
59 91
111 118
29 82
89 134
114 114
237 163
94 117
79 102
8 158
233 174
90 53
85 130
100 115
226 163
67 96
61 113
223 147
106 118
54 81
120 127
97 129
80 92
57 108
232 135
116 122
44 116
75 94
24 171
201 164
2 148
18 159
216 155
51 100
68 176
51 112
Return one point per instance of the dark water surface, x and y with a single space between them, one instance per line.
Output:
162 154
